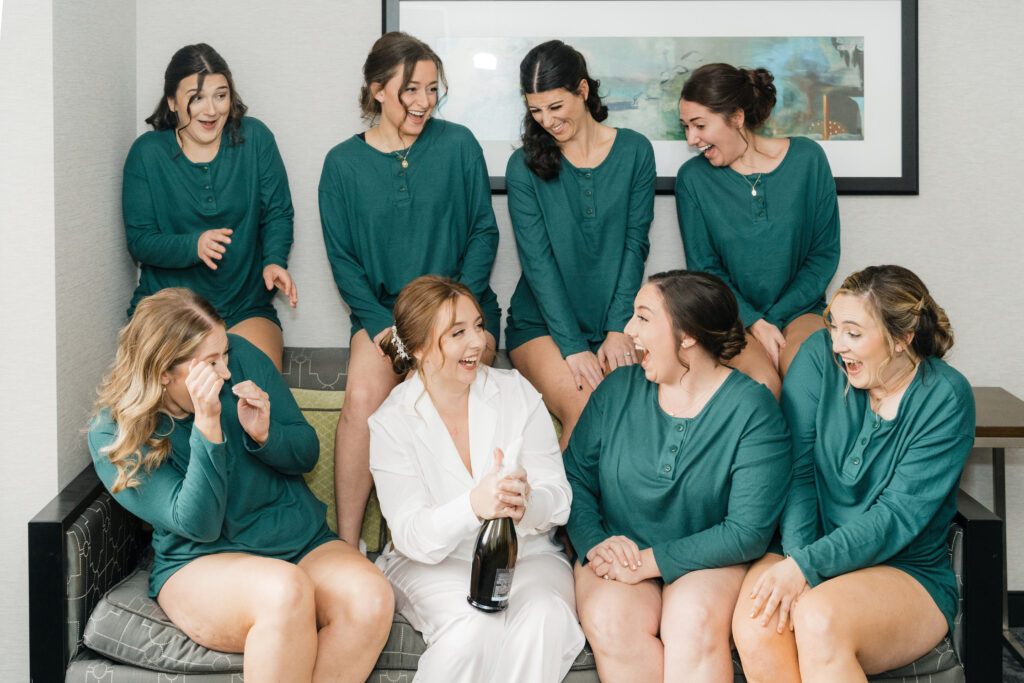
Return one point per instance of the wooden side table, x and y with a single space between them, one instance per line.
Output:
1000 425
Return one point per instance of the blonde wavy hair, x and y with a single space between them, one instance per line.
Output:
902 306
167 329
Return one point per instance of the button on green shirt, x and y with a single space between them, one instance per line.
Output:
868 491
169 201
702 492
233 496
385 225
777 251
582 241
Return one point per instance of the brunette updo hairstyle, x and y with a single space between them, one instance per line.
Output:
550 66
704 307
416 310
392 51
723 89
902 305
203 60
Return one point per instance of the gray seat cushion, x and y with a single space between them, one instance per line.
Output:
128 626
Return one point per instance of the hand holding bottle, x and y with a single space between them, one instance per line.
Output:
486 497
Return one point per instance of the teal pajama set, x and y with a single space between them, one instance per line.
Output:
169 201
385 225
701 492
582 241
868 491
228 497
778 250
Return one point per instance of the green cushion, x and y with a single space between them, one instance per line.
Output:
321 409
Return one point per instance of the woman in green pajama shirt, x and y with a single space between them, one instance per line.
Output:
581 199
206 201
679 468
759 212
408 197
881 429
197 433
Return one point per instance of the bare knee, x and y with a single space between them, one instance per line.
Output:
368 603
610 634
818 627
361 399
700 627
757 645
285 597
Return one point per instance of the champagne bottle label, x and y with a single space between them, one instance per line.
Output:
502 584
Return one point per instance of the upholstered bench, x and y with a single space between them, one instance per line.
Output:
91 619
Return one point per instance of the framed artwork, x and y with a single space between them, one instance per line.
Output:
845 71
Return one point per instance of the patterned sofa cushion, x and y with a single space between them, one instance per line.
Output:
127 626
321 408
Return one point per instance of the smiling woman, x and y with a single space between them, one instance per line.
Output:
408 197
437 446
206 201
758 212
881 429
581 198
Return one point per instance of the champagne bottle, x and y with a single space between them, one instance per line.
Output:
494 557
494 563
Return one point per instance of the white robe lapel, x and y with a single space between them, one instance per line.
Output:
483 422
438 446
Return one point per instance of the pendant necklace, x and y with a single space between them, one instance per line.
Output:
404 158
753 186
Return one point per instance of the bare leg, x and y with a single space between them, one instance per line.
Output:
767 655
621 622
243 603
696 619
354 610
370 380
753 361
795 333
265 335
541 363
864 622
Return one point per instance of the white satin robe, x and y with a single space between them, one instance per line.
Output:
424 488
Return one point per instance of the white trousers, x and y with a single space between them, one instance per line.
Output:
535 639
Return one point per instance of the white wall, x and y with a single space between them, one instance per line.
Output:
28 399
66 118
94 124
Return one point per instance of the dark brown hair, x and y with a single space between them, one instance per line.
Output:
550 66
391 51
416 309
724 89
203 60
704 307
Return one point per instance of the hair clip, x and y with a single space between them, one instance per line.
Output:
397 342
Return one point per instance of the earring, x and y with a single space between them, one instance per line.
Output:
899 349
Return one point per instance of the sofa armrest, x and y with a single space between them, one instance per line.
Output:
79 545
982 611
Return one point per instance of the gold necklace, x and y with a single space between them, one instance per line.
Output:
753 186
404 157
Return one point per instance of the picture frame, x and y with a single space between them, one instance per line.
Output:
845 70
